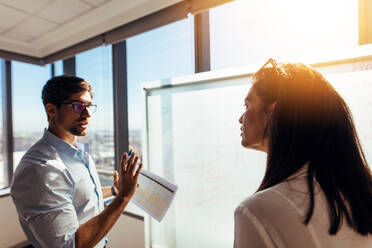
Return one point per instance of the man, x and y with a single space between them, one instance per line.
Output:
55 188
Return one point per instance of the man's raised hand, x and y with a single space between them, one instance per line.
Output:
126 184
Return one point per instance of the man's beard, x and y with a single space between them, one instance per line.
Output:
76 132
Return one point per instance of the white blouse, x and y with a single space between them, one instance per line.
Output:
274 218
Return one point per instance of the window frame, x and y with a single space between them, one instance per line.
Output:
7 134
365 22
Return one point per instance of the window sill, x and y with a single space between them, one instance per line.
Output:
4 192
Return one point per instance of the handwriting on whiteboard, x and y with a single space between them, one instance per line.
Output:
362 66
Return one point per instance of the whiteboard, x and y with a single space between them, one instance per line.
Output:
193 138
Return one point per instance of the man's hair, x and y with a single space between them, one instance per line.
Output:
59 89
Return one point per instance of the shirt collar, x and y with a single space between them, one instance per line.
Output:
61 146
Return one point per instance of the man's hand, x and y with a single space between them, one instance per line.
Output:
126 183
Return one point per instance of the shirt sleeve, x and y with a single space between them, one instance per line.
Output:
249 232
43 197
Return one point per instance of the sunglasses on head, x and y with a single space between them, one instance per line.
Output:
79 107
273 63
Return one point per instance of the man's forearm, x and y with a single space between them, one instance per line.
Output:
91 232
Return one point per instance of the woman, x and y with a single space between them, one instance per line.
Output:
317 188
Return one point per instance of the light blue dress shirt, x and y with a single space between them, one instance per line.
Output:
56 189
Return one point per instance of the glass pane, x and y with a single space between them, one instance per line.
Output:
246 32
153 57
95 66
29 117
58 68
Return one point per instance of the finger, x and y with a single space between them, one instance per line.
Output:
130 162
116 176
123 163
138 171
134 165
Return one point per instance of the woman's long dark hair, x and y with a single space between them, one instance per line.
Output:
312 123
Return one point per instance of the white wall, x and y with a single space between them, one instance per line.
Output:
128 231
11 232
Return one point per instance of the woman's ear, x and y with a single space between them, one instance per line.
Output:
270 109
51 110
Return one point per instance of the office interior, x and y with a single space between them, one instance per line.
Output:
169 78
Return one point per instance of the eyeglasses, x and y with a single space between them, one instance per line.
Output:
79 107
273 63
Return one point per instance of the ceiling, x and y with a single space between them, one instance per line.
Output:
41 27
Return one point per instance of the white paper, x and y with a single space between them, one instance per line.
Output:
154 194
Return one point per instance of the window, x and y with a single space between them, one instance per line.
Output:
29 117
365 20
58 68
161 53
246 32
95 66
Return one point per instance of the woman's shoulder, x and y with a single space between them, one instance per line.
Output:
257 200
289 198
276 215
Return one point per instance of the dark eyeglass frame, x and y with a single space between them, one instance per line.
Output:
76 106
273 63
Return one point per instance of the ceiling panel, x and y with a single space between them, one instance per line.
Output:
18 36
64 10
30 6
10 17
35 26
95 2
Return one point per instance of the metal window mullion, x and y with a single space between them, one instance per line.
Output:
121 131
6 83
202 42
69 66
52 70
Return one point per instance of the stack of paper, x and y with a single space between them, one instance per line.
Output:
154 194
